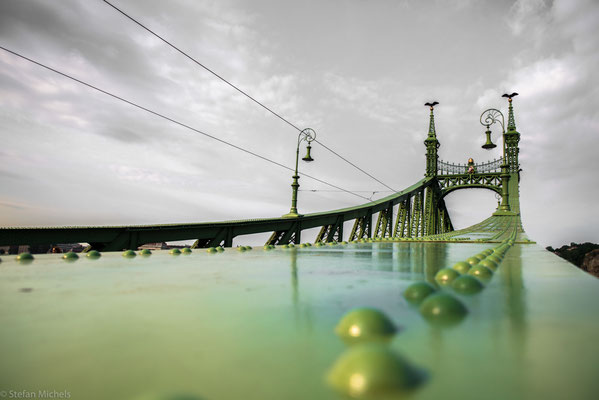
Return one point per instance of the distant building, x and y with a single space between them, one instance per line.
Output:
66 247
155 246
42 248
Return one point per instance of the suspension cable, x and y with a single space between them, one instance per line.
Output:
173 120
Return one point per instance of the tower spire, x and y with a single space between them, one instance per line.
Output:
431 126
511 122
431 143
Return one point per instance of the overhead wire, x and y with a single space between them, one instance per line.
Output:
355 191
239 90
373 192
174 121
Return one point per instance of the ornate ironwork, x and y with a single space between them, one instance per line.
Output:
447 168
491 116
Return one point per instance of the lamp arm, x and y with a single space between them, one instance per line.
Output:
491 116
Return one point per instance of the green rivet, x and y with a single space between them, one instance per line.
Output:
220 249
331 243
70 256
417 292
186 250
446 275
462 267
145 252
93 254
344 242
494 258
472 260
467 284
285 246
291 245
365 324
492 265
319 244
370 370
211 250
481 272
241 248
25 257
443 308
248 247
129 253
174 252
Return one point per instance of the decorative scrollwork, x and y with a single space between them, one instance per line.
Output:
308 135
490 116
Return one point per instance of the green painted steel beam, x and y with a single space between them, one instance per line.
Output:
120 237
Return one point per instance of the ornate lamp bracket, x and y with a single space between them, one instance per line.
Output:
490 116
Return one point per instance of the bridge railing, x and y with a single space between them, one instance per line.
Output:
447 168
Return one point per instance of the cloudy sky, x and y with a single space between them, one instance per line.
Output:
357 72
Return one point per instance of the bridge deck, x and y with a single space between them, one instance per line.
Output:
492 230
259 324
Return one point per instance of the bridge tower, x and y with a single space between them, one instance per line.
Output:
434 212
511 139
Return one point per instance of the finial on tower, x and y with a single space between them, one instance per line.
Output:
431 126
511 122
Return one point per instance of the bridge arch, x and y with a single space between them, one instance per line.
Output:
445 192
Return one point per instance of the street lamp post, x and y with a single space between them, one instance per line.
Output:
307 135
488 118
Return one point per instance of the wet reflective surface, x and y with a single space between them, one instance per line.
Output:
260 324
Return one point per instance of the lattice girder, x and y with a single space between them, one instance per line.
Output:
331 232
384 221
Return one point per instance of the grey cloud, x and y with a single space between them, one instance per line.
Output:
360 83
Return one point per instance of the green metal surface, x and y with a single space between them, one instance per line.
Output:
261 324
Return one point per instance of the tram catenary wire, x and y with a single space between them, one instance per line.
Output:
240 90
174 121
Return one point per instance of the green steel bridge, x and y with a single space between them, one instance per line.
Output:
418 212
402 305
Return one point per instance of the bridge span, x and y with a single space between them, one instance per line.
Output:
419 211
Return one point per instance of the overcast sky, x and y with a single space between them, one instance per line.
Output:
357 72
